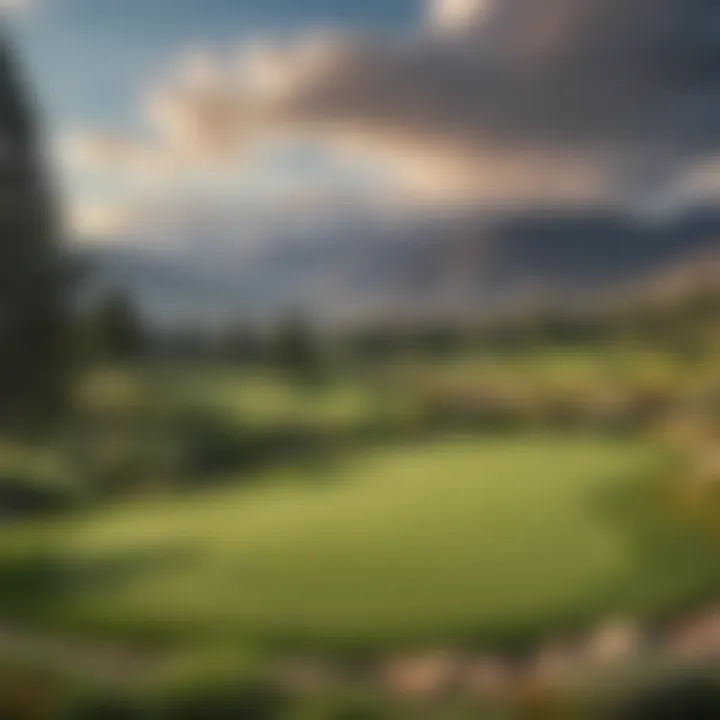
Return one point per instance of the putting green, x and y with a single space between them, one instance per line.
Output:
451 540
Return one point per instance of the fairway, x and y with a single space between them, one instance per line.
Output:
459 539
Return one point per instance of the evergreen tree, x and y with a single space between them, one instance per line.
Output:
33 273
116 329
242 344
297 350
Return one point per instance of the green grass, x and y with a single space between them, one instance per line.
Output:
457 540
257 399
268 400
354 399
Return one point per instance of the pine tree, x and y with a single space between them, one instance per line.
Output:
297 350
33 277
117 332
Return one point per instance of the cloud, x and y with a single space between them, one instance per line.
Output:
14 6
100 220
223 217
496 101
92 149
459 15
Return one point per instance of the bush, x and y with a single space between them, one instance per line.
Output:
696 697
34 482
223 685
206 443
344 706
105 704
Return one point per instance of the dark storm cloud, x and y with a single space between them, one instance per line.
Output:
513 99
592 74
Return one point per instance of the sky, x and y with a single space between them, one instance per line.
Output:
167 114
90 58
89 63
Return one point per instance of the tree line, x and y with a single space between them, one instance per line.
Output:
113 329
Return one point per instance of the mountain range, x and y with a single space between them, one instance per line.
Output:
472 265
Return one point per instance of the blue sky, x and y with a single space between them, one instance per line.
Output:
90 61
89 58
412 104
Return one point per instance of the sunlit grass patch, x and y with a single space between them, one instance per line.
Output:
454 540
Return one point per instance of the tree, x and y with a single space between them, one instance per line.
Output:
34 277
242 344
116 329
297 349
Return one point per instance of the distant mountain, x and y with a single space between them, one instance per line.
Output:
447 265
690 278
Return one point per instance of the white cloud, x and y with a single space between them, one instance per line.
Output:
98 220
561 101
459 15
16 6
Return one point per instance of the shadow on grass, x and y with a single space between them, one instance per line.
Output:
693 696
31 584
42 585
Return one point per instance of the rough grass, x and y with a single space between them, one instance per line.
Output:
458 541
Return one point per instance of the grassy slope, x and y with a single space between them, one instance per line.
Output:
457 539
266 399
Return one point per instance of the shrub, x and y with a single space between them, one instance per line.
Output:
223 685
34 482
693 696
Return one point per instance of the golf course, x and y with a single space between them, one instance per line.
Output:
463 540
